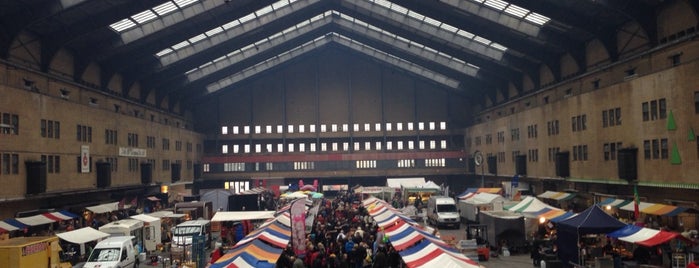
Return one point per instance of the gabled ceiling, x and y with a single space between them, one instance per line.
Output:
189 49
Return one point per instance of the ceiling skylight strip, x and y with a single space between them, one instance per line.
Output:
399 9
496 4
261 46
184 3
516 11
446 33
537 18
150 15
318 42
503 6
267 64
233 26
122 25
144 17
165 8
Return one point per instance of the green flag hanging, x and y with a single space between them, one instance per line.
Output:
691 134
675 155
671 125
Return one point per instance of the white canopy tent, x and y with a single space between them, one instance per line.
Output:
242 215
105 208
405 182
82 236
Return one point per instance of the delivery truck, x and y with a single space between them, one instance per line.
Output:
30 252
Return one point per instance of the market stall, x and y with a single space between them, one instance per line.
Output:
592 220
416 246
260 248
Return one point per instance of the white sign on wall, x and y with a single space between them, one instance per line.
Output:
85 159
132 152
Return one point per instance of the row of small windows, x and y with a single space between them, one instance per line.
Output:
334 128
309 165
52 129
335 146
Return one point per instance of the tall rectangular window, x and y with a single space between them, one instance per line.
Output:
646 149
662 109
224 130
653 110
696 102
645 109
656 149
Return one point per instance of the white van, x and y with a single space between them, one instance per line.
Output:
182 233
442 211
113 252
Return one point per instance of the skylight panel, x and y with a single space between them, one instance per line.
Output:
449 28
383 3
122 25
482 40
197 38
402 39
214 31
363 24
262 11
164 52
418 16
191 71
219 59
180 45
279 4
165 8
477 1
184 3
278 34
537 18
247 18
433 21
230 24
465 34
496 4
473 66
429 48
304 23
516 11
315 18
205 64
460 61
144 16
399 9
498 46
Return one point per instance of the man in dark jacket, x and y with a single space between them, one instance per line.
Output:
380 258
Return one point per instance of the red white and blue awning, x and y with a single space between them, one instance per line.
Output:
644 236
8 225
260 248
427 254
417 247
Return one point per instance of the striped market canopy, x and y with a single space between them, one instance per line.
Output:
643 207
644 236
